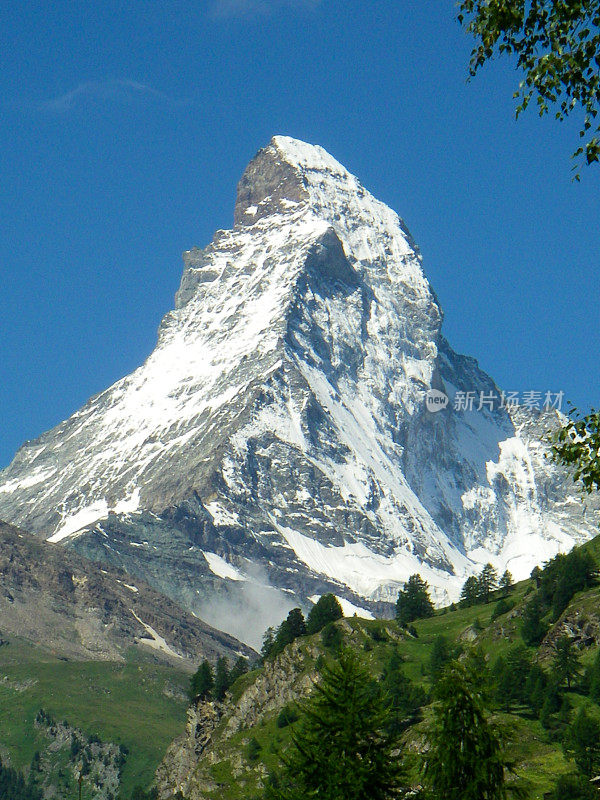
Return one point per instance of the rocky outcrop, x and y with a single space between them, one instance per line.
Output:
186 766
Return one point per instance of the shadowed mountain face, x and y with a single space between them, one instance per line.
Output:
277 443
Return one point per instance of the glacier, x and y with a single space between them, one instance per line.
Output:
276 444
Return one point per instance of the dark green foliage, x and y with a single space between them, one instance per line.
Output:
139 793
563 576
253 750
332 637
403 698
240 668
566 661
502 607
535 689
506 582
13 786
290 629
536 575
582 743
465 760
441 654
287 716
557 49
340 750
202 682
573 787
592 679
578 442
533 629
470 592
414 601
327 609
222 680
510 673
487 582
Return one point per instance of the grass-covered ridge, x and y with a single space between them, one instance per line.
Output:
244 747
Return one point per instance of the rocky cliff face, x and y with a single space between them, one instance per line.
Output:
277 443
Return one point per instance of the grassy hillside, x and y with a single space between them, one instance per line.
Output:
244 746
139 704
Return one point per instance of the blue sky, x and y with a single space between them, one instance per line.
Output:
125 127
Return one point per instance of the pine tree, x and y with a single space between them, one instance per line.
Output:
566 661
327 609
582 743
441 655
339 748
487 582
202 682
470 592
533 629
268 643
240 668
222 681
290 629
465 760
506 582
414 601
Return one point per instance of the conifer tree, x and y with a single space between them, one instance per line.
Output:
470 592
506 582
327 609
465 759
414 601
222 681
533 629
202 682
339 749
566 661
582 743
487 582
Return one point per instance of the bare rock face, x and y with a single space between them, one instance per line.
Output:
277 442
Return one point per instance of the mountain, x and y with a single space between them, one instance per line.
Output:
56 599
278 442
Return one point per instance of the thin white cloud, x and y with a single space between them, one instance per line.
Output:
248 8
111 90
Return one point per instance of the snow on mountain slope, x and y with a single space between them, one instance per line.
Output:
280 424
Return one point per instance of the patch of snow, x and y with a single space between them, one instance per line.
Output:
157 642
222 568
221 515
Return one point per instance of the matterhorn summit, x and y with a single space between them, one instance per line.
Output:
283 438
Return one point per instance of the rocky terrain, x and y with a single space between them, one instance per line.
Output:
78 610
277 443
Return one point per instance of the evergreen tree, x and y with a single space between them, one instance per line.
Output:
202 682
566 661
511 672
582 743
268 643
222 681
470 592
465 760
240 668
414 601
533 629
573 787
403 697
506 582
339 748
487 582
441 654
536 575
327 609
593 679
290 629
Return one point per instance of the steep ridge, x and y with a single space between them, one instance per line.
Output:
277 444
57 600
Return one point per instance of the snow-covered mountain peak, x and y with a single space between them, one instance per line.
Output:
280 424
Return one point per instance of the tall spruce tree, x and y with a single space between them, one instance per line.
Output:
222 681
566 661
202 682
340 750
582 743
470 592
487 582
414 601
465 759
